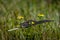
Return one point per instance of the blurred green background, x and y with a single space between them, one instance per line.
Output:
29 9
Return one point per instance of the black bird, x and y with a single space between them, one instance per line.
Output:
30 23
33 22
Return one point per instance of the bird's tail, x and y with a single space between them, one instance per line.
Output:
44 21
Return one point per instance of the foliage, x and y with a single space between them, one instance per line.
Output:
27 10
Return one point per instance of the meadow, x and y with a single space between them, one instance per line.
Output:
14 12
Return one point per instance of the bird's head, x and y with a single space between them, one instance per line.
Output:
27 23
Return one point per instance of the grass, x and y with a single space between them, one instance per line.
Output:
11 9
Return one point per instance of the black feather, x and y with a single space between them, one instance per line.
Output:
44 21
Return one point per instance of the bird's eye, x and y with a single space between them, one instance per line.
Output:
32 22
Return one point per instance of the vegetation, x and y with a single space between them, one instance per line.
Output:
14 12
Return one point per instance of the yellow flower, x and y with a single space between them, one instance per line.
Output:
40 14
33 22
20 17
